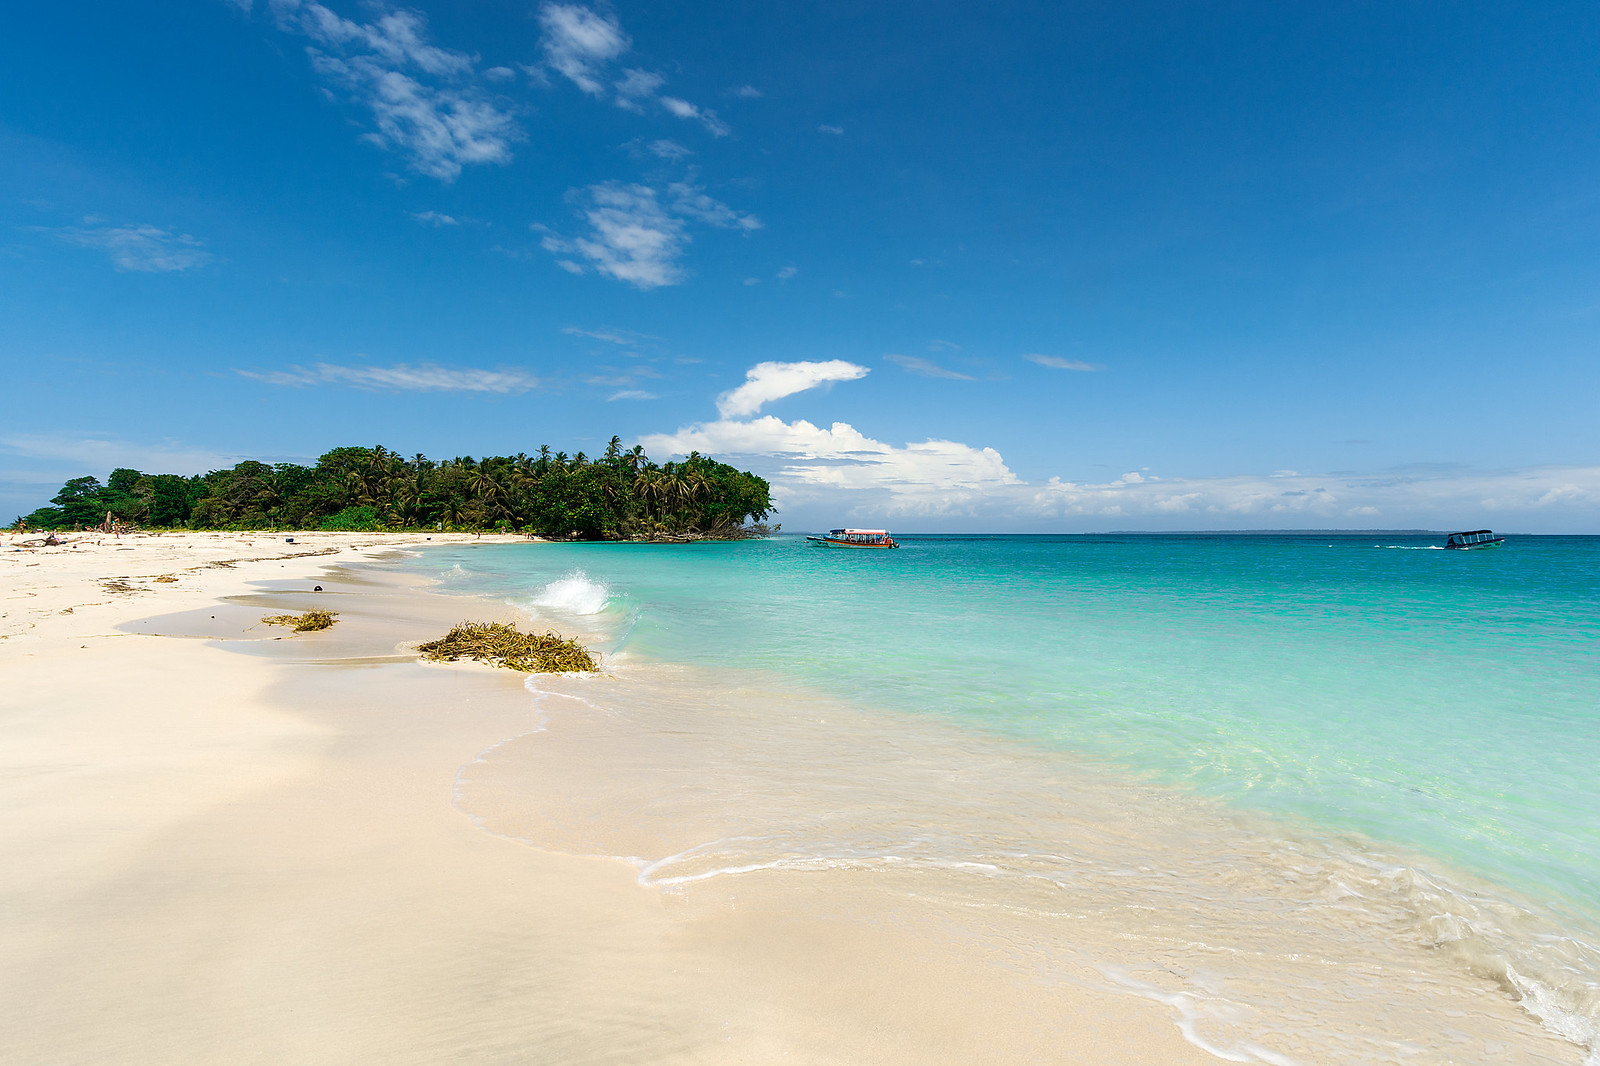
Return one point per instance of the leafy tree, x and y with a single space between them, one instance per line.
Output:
621 494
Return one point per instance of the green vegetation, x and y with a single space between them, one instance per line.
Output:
302 623
621 495
505 645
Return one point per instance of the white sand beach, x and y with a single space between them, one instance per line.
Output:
248 848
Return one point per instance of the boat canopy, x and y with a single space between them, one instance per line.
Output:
860 532
1472 537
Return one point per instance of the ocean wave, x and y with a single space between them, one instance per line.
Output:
574 594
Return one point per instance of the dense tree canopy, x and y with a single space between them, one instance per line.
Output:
622 494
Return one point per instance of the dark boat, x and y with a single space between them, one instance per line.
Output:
1474 538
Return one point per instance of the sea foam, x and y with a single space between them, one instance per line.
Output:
574 594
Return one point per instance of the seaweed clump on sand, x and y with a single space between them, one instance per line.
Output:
303 623
505 645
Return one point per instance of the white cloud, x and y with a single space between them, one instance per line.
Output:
836 131
578 43
931 477
1058 363
402 377
637 238
635 86
145 249
669 150
425 100
747 92
434 218
631 236
787 272
927 367
766 382
705 116
839 471
631 394
500 74
752 281
692 202
582 45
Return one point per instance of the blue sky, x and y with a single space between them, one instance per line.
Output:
1030 266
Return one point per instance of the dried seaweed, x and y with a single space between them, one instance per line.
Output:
505 645
303 623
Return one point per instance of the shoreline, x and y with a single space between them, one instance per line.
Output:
739 792
213 855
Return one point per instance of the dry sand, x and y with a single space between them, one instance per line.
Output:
247 848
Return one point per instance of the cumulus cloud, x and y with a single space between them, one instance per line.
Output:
766 382
637 234
840 471
145 249
1055 362
840 462
402 377
427 102
926 367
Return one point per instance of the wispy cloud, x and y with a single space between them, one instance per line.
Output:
669 150
426 101
747 92
926 367
402 377
582 45
146 249
96 453
706 117
631 394
434 218
787 272
623 337
636 86
766 382
1058 363
579 44
637 234
835 131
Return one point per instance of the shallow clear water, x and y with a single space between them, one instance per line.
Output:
1443 702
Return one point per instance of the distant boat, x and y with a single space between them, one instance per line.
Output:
1474 538
856 538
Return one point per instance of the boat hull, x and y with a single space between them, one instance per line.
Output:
1475 547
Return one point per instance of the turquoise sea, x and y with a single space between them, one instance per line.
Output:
1374 688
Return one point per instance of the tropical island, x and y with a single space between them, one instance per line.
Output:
622 495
